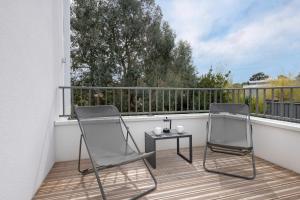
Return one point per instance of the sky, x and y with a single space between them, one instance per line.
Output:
244 37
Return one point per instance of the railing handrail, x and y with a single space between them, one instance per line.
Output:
175 88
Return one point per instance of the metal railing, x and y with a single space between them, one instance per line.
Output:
271 102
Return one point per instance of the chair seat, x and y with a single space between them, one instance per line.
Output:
234 143
119 159
233 146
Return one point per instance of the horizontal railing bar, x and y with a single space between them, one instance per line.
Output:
157 112
172 88
200 111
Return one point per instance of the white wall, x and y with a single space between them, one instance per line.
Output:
67 133
275 141
31 49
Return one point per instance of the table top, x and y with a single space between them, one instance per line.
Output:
173 134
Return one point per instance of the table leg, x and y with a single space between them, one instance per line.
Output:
150 146
191 148
190 160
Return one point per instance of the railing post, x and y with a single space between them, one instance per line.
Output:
163 100
264 102
193 100
136 100
215 96
81 97
114 96
250 100
156 99
204 102
209 97
181 101
150 101
143 100
105 96
281 102
63 101
221 95
292 112
175 100
90 97
256 101
272 103
72 102
199 100
169 100
121 103
128 100
187 100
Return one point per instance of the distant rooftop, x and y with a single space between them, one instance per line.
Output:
258 84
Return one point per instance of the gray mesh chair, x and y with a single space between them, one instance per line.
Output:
107 145
229 131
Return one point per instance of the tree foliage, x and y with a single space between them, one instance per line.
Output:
259 76
213 80
125 42
283 80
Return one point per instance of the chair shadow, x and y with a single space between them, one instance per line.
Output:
120 182
240 165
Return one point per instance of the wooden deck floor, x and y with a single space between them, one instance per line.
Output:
176 178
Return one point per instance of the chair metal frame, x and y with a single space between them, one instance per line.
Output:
232 150
96 168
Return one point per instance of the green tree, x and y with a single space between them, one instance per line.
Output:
159 56
88 44
259 76
182 73
109 38
213 80
125 42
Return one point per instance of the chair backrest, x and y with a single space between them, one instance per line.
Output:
229 124
102 129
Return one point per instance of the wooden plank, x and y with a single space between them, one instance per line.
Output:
176 178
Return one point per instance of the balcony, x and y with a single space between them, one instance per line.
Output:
40 138
276 146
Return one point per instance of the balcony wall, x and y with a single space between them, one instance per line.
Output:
67 132
275 141
31 52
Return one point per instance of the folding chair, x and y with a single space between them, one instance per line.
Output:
106 144
229 131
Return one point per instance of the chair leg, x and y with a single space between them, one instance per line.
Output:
84 171
96 171
90 170
100 184
135 197
79 156
229 174
149 190
87 170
